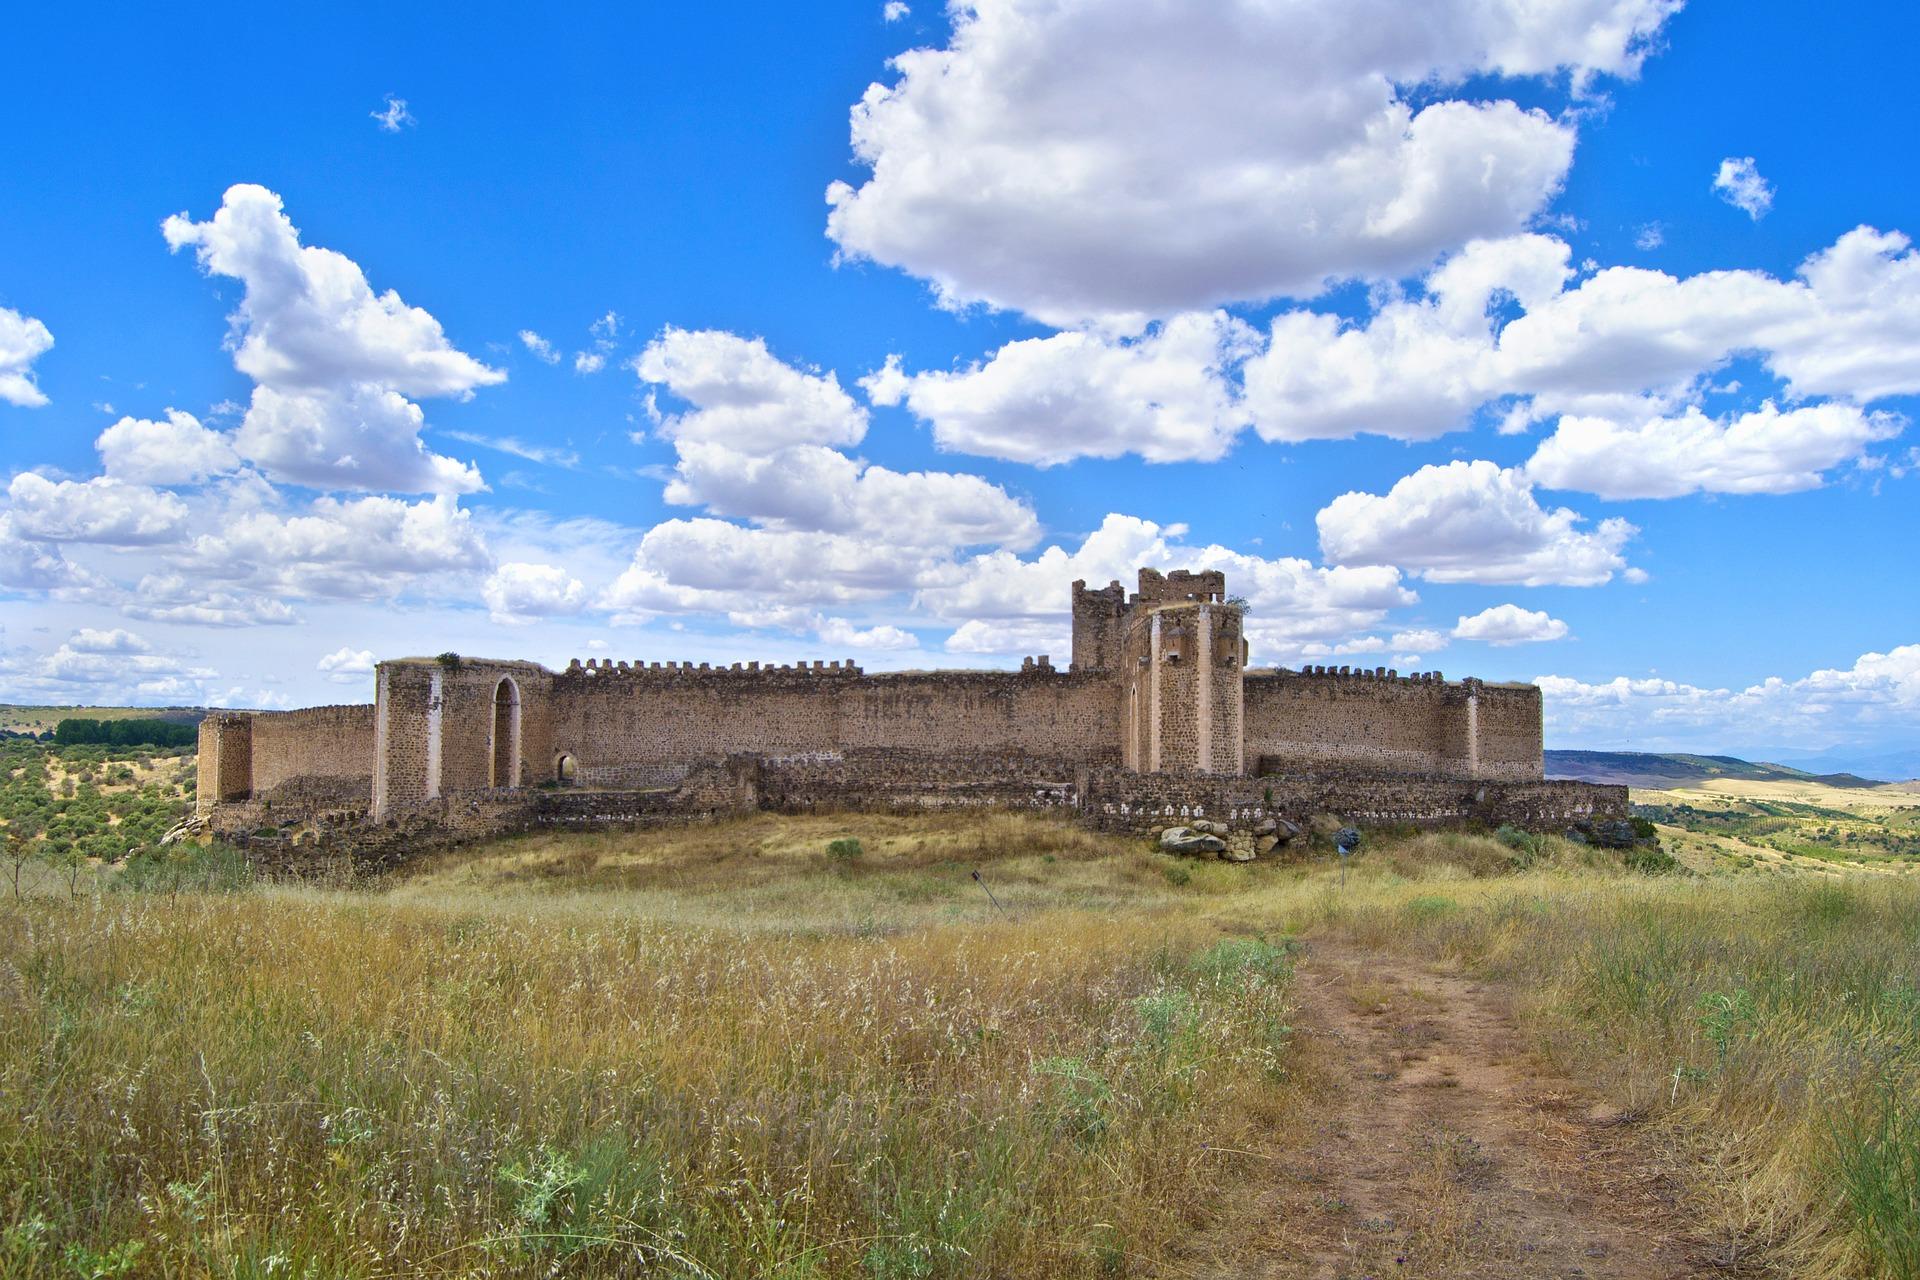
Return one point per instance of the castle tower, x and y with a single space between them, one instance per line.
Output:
1183 653
1097 617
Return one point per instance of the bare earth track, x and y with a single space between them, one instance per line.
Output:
1442 1147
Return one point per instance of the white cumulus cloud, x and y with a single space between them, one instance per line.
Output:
1074 159
101 510
520 593
1509 624
1471 522
1879 693
347 665
22 341
1739 183
335 363
1767 451
1163 396
176 449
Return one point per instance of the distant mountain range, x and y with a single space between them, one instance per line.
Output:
1656 771
1895 766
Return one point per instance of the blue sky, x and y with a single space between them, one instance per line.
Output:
1431 324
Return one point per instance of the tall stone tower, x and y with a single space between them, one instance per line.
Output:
1181 655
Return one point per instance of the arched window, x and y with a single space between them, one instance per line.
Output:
505 752
563 769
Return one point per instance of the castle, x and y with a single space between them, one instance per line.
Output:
1157 716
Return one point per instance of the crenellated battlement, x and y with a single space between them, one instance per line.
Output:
609 668
1322 671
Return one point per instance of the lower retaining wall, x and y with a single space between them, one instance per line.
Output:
904 781
1142 803
1108 799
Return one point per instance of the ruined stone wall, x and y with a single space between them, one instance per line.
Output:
1143 803
318 756
436 731
1509 719
1403 724
472 756
893 781
640 719
407 710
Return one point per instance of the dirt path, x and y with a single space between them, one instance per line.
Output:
1440 1147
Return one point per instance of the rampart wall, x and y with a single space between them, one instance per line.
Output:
1390 724
638 722
315 755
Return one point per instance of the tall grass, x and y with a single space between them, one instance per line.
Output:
284 1083
1771 1028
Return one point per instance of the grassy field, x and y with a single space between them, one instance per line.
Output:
749 1049
1772 826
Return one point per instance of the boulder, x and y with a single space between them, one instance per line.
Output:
1266 826
1284 831
1265 844
1186 840
1237 853
1210 828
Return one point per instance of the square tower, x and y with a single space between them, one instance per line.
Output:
1182 655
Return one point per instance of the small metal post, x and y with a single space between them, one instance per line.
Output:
983 884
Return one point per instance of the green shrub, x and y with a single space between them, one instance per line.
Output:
845 849
1233 960
1525 845
1430 906
1653 860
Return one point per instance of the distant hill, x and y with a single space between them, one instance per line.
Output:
21 718
1657 772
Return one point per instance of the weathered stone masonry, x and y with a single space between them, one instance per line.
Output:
1158 713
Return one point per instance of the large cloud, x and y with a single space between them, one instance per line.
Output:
1471 522
1766 451
359 549
1163 396
172 450
1101 158
1008 604
762 439
1622 343
520 593
744 397
334 362
1494 330
1509 624
101 510
22 341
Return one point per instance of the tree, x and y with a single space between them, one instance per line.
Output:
23 840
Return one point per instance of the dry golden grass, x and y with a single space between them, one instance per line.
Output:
480 1081
723 1051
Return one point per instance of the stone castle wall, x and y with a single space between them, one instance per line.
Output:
297 761
1158 709
317 745
1380 723
636 723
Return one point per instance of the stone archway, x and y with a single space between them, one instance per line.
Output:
504 745
565 769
